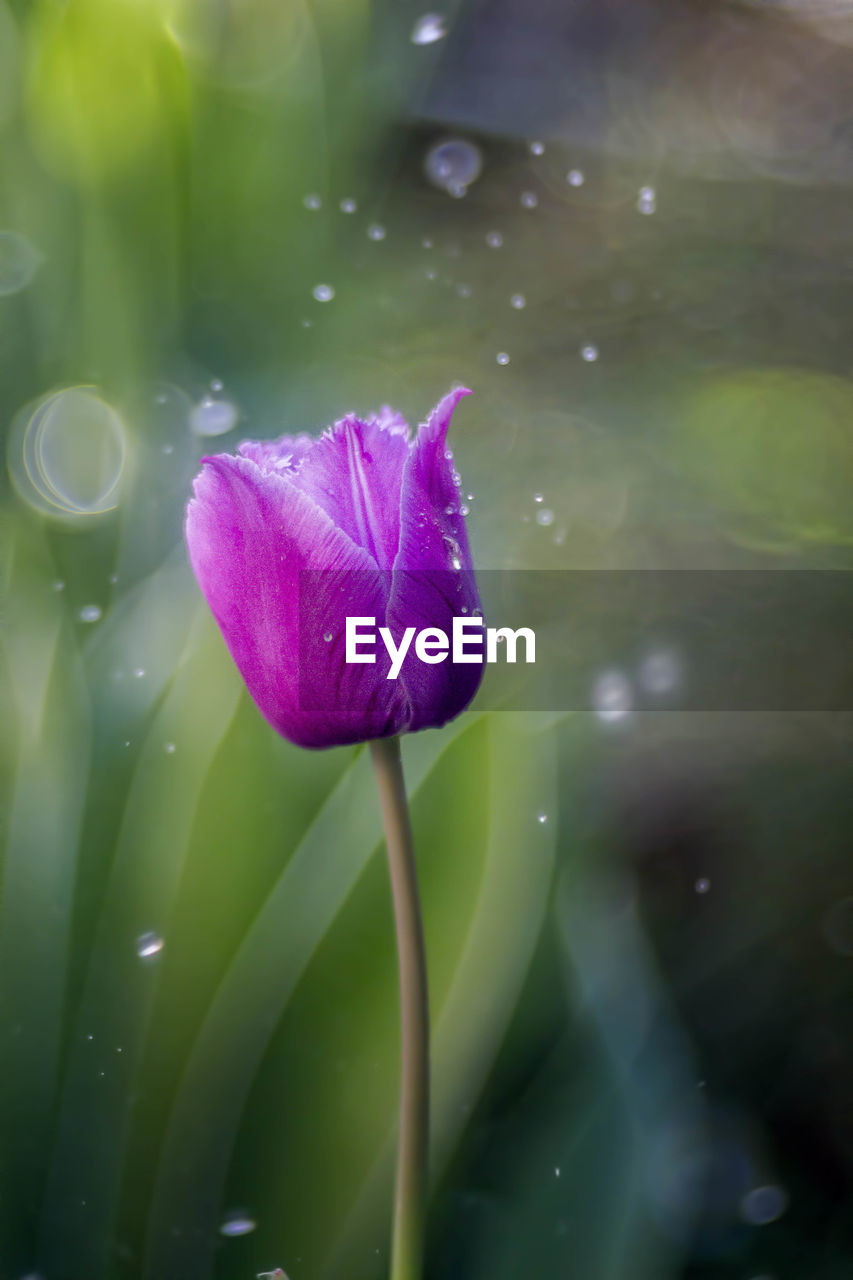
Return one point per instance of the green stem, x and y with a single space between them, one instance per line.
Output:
412 1150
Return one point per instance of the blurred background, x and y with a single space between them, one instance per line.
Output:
628 228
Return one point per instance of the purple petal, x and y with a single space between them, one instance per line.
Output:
283 454
433 579
250 533
355 473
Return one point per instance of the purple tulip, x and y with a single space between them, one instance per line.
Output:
374 517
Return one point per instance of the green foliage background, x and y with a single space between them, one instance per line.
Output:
157 158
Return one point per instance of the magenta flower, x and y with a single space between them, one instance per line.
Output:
375 516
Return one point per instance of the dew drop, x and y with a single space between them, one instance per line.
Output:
537 148
529 199
464 290
542 818
348 205
429 28
139 672
589 353
19 261
169 748
612 698
90 613
702 885
376 231
323 292
148 945
646 200
763 1204
538 497
426 243
237 1223
502 357
327 636
453 164
545 517
59 586
211 417
216 385
518 301
312 202
575 178
494 239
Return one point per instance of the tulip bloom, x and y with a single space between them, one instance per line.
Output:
375 518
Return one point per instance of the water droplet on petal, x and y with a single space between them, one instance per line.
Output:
237 1223
494 239
429 28
502 357
327 636
529 199
90 613
518 301
148 945
575 178
323 292
589 353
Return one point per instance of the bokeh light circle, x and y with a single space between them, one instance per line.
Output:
68 454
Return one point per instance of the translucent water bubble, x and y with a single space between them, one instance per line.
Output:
67 454
90 613
589 353
312 201
646 200
453 163
702 885
237 1223
348 205
212 417
537 148
612 698
375 232
148 945
575 178
529 199
139 672
518 301
494 239
545 517
763 1204
660 672
542 818
323 292
429 28
19 261
539 497
502 357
